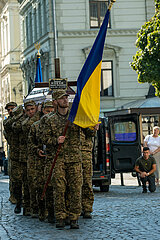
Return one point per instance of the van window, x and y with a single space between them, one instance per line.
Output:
124 131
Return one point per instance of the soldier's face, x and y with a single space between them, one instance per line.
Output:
47 110
63 102
10 109
31 110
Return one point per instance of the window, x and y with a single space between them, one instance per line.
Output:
24 33
30 24
27 31
40 20
107 78
44 16
35 24
98 10
124 131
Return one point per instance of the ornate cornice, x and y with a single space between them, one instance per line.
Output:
93 33
24 5
9 68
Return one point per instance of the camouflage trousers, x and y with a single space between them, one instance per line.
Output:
16 176
31 176
49 195
67 176
11 182
87 190
39 182
26 195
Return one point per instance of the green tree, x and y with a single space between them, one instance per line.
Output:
146 62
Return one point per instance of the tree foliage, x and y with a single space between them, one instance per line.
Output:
146 62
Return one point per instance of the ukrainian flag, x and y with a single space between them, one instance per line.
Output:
38 78
86 105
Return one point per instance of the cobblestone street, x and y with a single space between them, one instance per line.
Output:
122 213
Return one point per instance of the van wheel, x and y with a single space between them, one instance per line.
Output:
104 188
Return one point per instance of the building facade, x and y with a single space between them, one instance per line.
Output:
67 29
10 50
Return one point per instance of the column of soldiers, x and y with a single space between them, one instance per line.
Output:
33 136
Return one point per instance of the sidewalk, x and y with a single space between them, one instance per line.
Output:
127 178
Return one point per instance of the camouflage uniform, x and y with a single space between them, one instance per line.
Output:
17 129
12 140
26 124
31 166
47 163
68 168
35 164
87 190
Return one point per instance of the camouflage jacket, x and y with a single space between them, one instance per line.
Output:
70 149
8 133
25 127
33 139
87 139
12 139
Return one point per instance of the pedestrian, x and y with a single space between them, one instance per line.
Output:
12 142
153 142
145 166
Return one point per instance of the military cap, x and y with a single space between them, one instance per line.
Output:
59 93
17 110
10 104
48 104
29 103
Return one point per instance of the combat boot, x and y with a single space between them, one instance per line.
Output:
17 209
67 221
51 217
87 215
34 212
41 215
26 212
74 224
60 224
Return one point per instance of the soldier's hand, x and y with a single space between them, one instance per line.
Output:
41 153
61 139
96 127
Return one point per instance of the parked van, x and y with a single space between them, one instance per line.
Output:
117 145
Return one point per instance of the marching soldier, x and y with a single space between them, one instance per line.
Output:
35 164
33 116
18 115
11 140
68 169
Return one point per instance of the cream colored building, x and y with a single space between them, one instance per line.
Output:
68 28
10 50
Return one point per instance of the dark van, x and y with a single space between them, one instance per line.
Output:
117 145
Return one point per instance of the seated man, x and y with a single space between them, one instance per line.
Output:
146 166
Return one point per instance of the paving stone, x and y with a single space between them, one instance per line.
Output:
124 213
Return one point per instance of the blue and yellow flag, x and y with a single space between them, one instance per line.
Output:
86 105
38 78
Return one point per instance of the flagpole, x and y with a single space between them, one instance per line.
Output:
111 4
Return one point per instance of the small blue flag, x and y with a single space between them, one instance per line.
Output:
38 70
